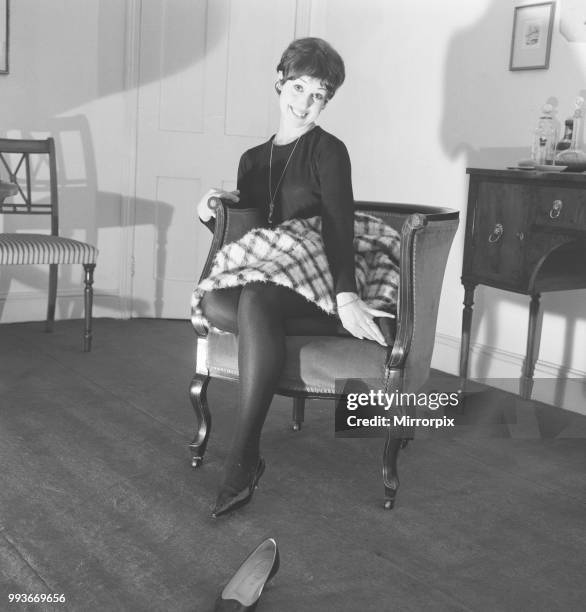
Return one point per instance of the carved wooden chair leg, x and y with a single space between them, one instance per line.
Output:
53 269
88 297
390 473
298 412
532 352
198 396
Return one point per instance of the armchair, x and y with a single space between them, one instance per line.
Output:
314 362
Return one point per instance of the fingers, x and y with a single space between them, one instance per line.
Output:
368 333
227 195
380 313
357 318
231 195
371 331
374 333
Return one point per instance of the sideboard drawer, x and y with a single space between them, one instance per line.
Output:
496 250
561 208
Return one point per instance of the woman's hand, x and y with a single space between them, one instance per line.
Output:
358 318
203 208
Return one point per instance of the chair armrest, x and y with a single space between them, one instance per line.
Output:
397 354
231 223
425 245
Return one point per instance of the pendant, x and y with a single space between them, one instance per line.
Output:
271 211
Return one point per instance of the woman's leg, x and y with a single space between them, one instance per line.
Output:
262 310
220 308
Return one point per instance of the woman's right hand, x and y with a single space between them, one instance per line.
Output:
203 208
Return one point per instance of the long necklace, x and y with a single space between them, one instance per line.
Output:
273 195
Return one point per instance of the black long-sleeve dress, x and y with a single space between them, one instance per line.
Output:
317 182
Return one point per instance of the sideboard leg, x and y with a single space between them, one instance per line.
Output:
466 326
533 337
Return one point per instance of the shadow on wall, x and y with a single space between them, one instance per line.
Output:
66 83
83 212
50 68
485 102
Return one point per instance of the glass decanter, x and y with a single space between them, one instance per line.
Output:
571 154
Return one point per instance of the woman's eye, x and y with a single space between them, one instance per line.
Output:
318 97
298 87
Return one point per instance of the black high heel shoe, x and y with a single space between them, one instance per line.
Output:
245 588
227 501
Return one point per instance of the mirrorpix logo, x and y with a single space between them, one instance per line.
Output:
365 412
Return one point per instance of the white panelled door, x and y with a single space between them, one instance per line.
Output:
206 94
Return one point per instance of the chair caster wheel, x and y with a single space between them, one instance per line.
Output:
196 462
390 496
296 426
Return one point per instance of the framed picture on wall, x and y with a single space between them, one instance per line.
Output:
4 11
531 43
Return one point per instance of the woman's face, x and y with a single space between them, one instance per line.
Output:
302 100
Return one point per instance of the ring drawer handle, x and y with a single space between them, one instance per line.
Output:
556 209
496 233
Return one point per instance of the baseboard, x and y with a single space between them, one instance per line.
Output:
554 384
25 306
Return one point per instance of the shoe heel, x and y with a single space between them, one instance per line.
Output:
276 565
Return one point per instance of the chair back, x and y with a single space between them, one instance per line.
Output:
432 244
395 214
32 167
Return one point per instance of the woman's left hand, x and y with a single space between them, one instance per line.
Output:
358 318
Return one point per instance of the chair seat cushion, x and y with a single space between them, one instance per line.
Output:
320 325
312 364
31 249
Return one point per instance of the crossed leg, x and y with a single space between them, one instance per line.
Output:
257 313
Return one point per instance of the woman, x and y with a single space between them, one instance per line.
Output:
300 172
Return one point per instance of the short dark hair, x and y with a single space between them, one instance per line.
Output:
316 58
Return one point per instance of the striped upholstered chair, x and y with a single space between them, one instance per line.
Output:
31 189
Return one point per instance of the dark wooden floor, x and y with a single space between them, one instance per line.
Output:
98 500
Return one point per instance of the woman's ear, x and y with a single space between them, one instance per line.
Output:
279 82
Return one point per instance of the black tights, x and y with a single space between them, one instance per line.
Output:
257 313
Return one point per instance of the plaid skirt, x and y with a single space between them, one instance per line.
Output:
292 255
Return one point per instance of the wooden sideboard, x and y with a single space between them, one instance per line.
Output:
526 233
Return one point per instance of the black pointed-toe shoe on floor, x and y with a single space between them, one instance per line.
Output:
245 587
228 501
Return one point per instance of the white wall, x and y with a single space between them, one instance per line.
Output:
429 93
66 79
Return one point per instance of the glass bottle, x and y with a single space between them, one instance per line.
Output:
544 138
565 141
572 156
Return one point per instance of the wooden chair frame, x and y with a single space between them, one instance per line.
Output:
24 149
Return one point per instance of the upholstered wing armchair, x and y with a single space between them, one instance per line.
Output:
314 362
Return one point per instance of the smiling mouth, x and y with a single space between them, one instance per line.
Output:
298 114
